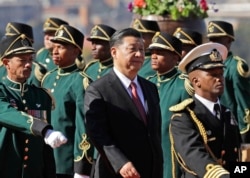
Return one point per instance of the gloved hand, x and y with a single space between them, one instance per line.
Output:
80 176
54 138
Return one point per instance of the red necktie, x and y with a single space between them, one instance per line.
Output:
137 102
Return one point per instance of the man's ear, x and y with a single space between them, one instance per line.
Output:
5 61
113 52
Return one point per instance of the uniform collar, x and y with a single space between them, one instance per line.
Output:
106 63
167 74
68 69
15 85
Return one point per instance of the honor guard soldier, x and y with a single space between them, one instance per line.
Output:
148 28
24 117
67 84
237 81
165 53
102 61
38 70
204 134
189 38
43 55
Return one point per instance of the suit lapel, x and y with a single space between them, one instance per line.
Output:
118 87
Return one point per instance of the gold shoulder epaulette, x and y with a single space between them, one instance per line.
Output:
86 79
181 106
90 63
242 67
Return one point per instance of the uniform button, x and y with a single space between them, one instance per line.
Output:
57 77
26 149
47 60
27 141
98 76
25 165
158 84
24 101
26 108
54 84
52 90
99 70
26 158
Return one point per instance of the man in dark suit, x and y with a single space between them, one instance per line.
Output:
129 142
202 130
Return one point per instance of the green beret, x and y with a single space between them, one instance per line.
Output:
205 56
15 44
70 35
162 40
101 32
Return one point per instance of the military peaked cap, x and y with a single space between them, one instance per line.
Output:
15 28
162 40
101 32
52 24
146 26
15 44
188 36
219 29
205 56
70 35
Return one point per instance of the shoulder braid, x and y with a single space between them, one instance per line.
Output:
86 79
90 63
242 67
181 106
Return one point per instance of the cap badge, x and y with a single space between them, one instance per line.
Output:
94 32
215 55
60 33
211 28
25 42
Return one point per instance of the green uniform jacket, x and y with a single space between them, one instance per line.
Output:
171 91
96 69
236 94
43 56
146 69
25 110
67 85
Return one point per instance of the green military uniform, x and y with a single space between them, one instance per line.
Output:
25 113
237 79
100 35
171 88
236 92
96 69
67 86
146 69
171 91
43 56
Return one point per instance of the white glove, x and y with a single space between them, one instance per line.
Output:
80 176
54 138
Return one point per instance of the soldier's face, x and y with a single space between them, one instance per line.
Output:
100 49
19 67
64 55
47 37
163 60
208 83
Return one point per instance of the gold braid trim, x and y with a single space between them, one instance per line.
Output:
84 146
215 171
177 156
247 116
240 69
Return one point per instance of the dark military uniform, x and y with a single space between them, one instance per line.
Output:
199 139
204 140
147 28
171 88
237 80
96 68
67 86
25 113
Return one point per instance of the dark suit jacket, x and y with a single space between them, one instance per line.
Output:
221 135
116 129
